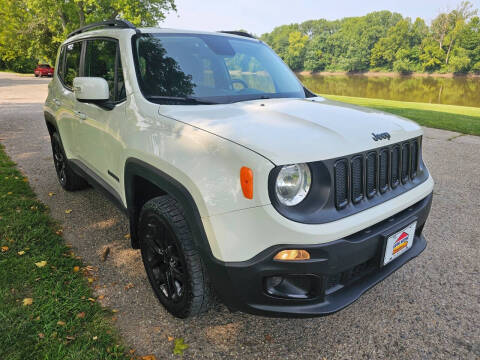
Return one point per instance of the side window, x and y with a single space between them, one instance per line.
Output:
102 59
72 63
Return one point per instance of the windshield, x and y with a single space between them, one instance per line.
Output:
210 69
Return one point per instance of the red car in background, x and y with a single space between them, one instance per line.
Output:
43 70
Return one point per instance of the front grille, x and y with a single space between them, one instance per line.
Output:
375 172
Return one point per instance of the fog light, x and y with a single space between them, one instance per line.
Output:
288 255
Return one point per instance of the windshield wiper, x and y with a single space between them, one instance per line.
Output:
174 100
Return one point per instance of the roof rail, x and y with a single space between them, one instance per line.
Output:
239 33
121 24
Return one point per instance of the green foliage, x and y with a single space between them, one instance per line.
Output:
382 41
432 58
33 29
459 62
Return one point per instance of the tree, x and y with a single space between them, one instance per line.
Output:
33 29
296 50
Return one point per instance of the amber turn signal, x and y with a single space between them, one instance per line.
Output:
246 180
292 255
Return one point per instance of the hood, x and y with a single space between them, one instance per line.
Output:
287 131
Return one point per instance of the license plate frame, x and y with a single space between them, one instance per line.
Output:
398 243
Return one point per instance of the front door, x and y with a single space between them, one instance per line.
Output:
98 120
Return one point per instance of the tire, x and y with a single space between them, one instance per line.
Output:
67 178
173 265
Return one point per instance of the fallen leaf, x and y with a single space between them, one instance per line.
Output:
268 338
59 232
114 311
179 347
91 299
51 193
105 253
68 337
9 193
127 236
131 351
95 338
129 286
170 338
114 318
41 264
27 301
91 280
68 211
37 318
76 268
101 297
149 357
41 335
21 253
61 323
25 179
81 315
4 248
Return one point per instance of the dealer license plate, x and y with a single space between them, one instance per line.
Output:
399 243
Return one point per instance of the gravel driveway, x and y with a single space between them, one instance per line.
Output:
429 309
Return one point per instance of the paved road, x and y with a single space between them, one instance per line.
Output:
429 309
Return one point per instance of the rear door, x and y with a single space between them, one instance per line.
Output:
97 129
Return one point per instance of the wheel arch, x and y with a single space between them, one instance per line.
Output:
50 122
139 176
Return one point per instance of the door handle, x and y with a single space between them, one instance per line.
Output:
80 115
57 102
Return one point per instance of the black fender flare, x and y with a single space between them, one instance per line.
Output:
135 167
50 122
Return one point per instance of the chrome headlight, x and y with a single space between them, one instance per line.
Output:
293 183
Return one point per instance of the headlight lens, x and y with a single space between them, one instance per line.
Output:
293 183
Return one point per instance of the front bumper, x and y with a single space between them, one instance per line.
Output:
337 274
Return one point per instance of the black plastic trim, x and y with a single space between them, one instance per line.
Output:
98 183
120 23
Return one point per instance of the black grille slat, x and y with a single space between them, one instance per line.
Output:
414 161
341 183
394 166
357 179
371 174
405 162
383 171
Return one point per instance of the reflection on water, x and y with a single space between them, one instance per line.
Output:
454 91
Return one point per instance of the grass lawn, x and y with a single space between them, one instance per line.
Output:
47 310
462 119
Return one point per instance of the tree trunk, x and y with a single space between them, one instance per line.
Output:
448 52
81 13
63 19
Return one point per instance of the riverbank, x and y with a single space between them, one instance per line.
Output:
462 119
387 74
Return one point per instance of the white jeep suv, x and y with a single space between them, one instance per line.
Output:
234 177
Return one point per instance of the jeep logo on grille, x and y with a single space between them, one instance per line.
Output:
381 136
